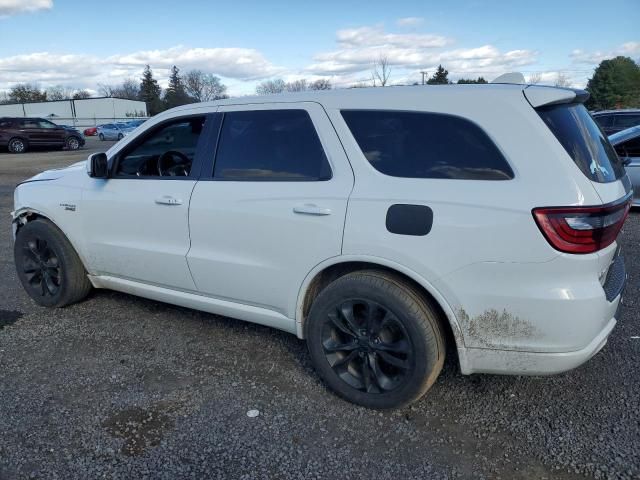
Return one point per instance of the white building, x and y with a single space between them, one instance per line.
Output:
79 113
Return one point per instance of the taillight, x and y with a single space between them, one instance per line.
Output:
582 229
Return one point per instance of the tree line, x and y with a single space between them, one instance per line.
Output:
615 84
194 86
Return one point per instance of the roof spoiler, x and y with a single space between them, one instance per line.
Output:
539 95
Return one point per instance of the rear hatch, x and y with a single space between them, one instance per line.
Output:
585 229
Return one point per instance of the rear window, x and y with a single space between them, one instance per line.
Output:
627 120
584 141
426 145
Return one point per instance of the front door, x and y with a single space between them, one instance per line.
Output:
271 208
136 222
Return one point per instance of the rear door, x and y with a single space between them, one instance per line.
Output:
36 135
273 206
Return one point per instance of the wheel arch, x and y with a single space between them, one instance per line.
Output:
333 268
24 215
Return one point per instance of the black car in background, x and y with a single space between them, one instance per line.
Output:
18 134
612 121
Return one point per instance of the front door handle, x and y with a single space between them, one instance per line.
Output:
168 200
311 209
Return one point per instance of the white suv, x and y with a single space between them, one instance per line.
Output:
381 225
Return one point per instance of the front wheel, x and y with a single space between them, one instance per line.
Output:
101 137
375 340
120 136
48 267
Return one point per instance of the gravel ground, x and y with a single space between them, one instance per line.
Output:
122 387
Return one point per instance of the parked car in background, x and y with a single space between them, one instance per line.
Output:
18 134
114 131
612 121
90 132
381 225
627 146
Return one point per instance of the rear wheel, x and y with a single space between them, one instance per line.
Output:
375 340
48 267
17 145
72 143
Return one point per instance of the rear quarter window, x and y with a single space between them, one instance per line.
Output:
426 145
583 140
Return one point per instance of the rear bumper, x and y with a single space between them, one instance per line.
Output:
509 362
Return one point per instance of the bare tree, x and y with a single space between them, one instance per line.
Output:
106 90
535 78
81 94
58 92
297 86
203 87
269 87
381 71
27 92
320 84
562 80
128 89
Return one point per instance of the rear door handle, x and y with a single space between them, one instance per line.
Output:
168 200
311 209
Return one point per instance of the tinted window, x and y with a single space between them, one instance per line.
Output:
630 148
167 151
584 141
46 124
270 145
604 120
29 124
426 145
626 121
6 124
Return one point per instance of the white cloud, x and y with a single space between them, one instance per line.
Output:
376 36
359 48
13 7
86 71
410 21
629 49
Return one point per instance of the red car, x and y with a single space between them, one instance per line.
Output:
90 132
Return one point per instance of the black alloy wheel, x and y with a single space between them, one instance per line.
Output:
41 268
366 346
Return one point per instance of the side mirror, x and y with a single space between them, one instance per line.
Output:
98 165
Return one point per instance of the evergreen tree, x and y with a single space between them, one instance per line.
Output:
150 92
440 77
176 94
615 84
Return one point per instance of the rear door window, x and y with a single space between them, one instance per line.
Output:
426 145
583 140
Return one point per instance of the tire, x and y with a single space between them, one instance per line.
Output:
101 136
120 136
386 362
72 143
17 145
48 267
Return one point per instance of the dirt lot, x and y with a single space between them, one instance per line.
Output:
121 387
